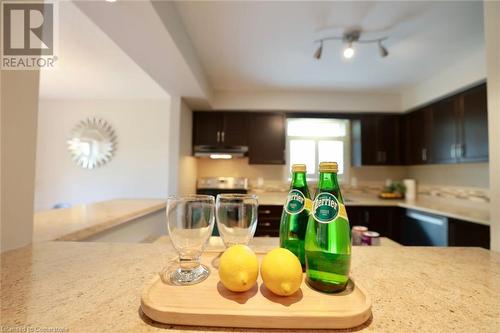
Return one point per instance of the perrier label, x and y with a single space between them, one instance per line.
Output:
296 213
328 238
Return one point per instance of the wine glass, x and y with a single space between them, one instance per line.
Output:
190 221
236 217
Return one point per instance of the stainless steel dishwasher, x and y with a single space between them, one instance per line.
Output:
424 229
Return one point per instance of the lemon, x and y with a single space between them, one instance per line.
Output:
281 272
238 268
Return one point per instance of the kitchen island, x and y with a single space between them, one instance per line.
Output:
96 287
101 220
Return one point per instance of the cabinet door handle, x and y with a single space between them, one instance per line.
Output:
223 135
453 151
265 211
461 150
367 217
218 136
265 224
424 154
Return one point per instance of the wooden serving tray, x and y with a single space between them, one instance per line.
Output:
209 303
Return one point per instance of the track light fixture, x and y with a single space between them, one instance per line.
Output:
383 51
318 52
349 38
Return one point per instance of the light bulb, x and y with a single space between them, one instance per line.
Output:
348 52
220 156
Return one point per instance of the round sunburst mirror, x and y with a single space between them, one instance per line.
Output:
92 143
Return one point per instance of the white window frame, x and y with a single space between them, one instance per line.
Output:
347 149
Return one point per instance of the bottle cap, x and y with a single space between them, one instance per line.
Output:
328 167
299 168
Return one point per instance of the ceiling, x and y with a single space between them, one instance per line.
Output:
258 46
91 65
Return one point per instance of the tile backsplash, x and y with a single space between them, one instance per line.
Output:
239 167
459 181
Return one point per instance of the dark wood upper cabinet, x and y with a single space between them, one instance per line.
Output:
220 129
266 138
206 128
452 130
263 133
375 140
473 146
388 142
367 153
444 131
234 129
418 130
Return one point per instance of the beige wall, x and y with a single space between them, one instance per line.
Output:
19 104
308 101
492 27
378 173
466 174
239 168
187 163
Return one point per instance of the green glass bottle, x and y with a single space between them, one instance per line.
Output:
328 237
296 214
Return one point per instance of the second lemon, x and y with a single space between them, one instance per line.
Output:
281 272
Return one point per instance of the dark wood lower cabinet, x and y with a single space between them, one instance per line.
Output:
384 220
389 222
268 223
462 233
457 232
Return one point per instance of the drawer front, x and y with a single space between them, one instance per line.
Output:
267 233
268 224
270 211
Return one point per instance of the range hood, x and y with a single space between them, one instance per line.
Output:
220 152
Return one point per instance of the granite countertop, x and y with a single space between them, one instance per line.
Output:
261 243
96 287
82 221
459 209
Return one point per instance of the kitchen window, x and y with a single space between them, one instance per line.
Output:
313 140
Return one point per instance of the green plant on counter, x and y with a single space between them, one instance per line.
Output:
395 187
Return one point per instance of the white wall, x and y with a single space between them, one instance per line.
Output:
459 75
154 40
492 27
174 144
138 169
187 163
19 103
182 166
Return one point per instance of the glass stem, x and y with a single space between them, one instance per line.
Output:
188 264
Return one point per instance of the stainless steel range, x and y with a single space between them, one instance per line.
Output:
219 185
